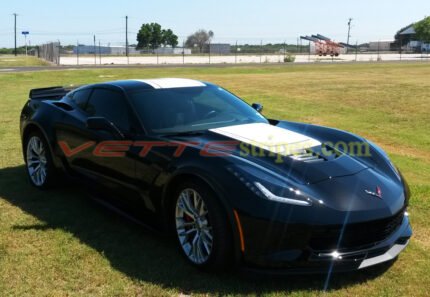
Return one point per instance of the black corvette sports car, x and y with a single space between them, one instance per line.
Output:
190 159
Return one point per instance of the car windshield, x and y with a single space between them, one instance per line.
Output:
181 110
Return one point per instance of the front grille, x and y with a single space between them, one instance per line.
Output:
355 235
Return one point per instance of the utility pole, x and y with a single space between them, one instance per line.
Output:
126 38
349 31
15 32
25 36
95 51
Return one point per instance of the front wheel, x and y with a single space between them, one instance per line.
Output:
202 228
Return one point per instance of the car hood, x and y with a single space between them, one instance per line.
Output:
295 155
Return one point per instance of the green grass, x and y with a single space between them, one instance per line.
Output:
58 243
20 61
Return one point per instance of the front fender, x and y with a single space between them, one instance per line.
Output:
201 173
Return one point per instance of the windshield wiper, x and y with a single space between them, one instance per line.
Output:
185 133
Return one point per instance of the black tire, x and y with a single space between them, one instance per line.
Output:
221 256
52 174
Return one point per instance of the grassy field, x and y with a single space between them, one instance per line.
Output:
20 61
58 243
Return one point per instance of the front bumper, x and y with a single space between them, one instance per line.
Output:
270 253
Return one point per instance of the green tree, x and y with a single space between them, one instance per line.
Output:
152 35
144 36
169 38
422 30
199 38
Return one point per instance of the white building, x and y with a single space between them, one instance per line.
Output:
120 50
172 51
416 45
104 50
380 45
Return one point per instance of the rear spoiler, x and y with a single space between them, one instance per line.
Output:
50 93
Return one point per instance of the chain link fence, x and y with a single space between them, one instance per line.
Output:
236 52
49 52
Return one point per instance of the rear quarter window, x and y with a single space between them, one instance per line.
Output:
80 98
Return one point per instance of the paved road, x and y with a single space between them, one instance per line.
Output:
83 67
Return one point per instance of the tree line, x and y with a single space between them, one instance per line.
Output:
152 36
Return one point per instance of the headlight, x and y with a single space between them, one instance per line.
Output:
269 185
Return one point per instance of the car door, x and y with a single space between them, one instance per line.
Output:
82 147
117 172
111 168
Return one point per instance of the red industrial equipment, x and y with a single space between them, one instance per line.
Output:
324 46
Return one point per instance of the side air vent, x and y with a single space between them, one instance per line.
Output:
63 106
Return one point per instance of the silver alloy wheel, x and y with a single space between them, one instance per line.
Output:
192 225
36 161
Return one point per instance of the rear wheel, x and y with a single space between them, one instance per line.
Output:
40 167
202 228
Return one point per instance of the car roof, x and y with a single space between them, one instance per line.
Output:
159 83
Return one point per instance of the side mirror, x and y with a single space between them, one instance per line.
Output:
98 123
257 106
102 124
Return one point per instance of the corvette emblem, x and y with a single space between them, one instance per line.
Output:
377 193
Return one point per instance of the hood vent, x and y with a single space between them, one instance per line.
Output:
315 154
307 156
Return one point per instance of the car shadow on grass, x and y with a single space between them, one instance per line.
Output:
142 255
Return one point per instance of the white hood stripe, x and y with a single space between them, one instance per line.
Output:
268 137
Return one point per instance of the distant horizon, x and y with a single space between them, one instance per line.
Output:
270 21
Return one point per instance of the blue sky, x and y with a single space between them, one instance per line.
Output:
247 21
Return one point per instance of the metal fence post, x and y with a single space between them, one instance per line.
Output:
356 51
261 51
377 59
183 52
235 54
